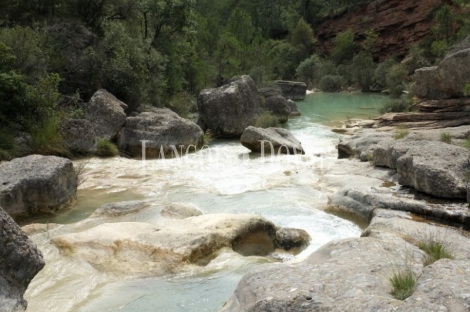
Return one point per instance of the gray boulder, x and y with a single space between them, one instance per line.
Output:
288 238
276 103
227 111
361 146
20 261
293 90
432 167
163 130
106 114
294 110
446 80
276 140
37 185
180 211
79 135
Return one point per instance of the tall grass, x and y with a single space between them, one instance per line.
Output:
401 132
446 138
47 139
403 284
435 250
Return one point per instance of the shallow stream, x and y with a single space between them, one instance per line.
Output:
222 179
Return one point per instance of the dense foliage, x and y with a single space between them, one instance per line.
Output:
163 52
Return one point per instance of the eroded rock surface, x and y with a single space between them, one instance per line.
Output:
293 90
37 185
227 111
164 132
20 261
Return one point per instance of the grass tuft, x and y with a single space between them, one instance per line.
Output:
106 149
434 250
401 132
267 120
403 284
47 139
446 138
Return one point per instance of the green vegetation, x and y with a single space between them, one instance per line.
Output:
7 146
446 138
106 149
396 106
267 120
434 250
401 132
403 284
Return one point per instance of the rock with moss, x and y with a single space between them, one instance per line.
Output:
276 103
106 114
293 90
163 131
271 141
36 185
20 261
227 111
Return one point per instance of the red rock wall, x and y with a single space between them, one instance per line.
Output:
399 23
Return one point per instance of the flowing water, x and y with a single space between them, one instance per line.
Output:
222 179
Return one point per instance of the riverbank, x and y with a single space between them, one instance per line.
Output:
354 274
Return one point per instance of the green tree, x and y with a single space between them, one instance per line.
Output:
396 80
444 27
363 69
344 47
303 36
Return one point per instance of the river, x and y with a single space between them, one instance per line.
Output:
223 178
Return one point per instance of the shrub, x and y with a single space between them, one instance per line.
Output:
396 106
439 48
363 69
446 138
380 74
47 139
332 83
267 120
395 80
183 103
106 149
434 250
403 284
7 145
344 46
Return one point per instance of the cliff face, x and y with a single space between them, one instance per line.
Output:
400 24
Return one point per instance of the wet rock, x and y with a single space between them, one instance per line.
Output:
164 132
276 140
79 135
447 80
180 211
20 261
227 111
121 208
293 90
361 146
131 247
294 110
106 114
37 185
432 167
288 238
276 103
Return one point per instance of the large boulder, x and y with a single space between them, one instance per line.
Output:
432 167
163 130
447 80
276 103
361 146
227 111
106 114
294 110
79 135
37 185
275 140
20 261
131 247
293 90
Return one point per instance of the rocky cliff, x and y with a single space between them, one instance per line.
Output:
399 24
